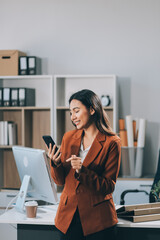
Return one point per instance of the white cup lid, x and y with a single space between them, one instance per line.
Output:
31 203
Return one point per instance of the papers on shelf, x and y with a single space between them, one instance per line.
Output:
8 133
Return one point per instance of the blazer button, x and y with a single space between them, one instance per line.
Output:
78 191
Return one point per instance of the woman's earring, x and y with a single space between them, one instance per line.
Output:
92 111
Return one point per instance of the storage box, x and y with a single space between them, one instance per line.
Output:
9 61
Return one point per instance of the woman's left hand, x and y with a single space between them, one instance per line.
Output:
75 162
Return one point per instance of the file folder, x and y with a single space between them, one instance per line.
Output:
23 65
34 65
14 96
1 97
5 132
6 97
1 133
12 133
26 97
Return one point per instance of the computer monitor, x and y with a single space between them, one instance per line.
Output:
33 169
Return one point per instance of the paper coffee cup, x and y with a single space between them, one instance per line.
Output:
31 209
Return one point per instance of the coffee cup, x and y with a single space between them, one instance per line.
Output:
31 209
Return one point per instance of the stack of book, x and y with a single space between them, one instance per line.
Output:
8 133
140 212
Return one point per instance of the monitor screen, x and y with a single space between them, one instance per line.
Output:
34 163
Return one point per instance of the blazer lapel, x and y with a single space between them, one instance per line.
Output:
75 147
95 149
74 150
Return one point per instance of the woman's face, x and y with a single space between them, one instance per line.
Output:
80 115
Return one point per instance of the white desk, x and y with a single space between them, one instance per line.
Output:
128 224
138 231
42 227
45 216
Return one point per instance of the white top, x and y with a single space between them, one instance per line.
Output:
82 152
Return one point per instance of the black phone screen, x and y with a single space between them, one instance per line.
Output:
48 140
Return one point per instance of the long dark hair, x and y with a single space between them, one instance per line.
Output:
89 99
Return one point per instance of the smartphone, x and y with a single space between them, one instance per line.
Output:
48 140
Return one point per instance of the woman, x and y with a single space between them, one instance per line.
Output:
87 166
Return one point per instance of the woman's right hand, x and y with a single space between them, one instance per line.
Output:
55 157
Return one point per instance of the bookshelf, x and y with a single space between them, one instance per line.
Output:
66 85
50 115
32 122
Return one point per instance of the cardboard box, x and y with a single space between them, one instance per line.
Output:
9 62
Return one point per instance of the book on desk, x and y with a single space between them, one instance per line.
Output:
140 212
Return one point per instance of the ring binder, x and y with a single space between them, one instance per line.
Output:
6 97
1 97
26 97
14 96
34 65
23 65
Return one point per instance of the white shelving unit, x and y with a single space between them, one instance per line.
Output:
50 115
32 121
66 85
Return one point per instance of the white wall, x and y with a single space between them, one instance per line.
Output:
119 37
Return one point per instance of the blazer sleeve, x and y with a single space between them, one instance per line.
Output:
58 172
106 182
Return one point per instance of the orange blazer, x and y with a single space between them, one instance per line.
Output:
91 190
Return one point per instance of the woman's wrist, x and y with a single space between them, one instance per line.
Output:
57 162
78 170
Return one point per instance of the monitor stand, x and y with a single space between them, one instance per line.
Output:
22 193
